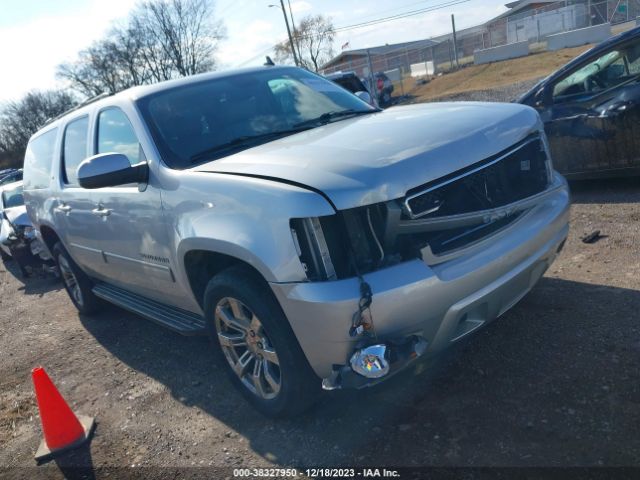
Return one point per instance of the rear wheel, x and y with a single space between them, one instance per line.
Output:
77 284
251 335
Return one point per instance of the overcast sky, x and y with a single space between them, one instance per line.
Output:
37 35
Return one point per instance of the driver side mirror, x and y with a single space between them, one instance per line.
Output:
111 170
539 98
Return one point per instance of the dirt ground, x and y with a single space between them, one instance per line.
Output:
553 382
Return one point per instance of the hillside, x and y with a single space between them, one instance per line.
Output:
492 75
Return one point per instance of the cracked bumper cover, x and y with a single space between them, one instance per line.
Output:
439 303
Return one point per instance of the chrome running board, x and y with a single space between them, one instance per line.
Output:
176 319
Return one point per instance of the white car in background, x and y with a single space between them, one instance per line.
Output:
17 236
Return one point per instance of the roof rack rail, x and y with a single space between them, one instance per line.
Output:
80 105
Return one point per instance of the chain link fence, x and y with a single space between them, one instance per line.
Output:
532 26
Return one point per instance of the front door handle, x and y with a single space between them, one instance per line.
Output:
101 211
618 108
64 208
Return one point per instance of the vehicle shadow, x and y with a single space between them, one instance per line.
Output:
552 382
606 190
38 283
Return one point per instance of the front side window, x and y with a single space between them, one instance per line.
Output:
38 160
607 71
209 119
74 149
116 135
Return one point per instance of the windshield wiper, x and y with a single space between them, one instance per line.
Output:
330 116
246 141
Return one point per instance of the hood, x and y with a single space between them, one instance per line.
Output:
17 216
378 157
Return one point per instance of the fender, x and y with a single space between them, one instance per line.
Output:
243 217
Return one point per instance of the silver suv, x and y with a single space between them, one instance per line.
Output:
318 240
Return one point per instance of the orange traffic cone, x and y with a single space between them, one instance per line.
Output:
61 428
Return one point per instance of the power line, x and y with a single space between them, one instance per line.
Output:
395 9
257 56
449 3
432 8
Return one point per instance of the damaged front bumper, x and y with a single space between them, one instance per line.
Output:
374 363
26 249
436 303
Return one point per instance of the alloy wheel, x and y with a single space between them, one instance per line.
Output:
247 348
70 280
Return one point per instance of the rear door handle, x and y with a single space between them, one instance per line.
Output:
101 211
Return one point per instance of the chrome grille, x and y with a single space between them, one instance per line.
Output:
520 172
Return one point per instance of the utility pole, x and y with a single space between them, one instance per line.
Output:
455 41
589 12
293 26
371 79
293 47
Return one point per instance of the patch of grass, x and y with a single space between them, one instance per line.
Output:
13 412
491 75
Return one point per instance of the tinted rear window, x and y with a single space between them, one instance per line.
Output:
38 159
353 84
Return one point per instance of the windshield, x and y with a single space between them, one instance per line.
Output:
12 198
199 122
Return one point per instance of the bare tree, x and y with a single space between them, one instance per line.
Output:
313 37
22 118
162 39
184 31
97 70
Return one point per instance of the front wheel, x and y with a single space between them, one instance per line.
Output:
77 284
252 336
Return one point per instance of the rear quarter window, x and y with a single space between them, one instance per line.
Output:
38 160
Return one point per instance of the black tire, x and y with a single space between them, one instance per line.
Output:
86 303
24 272
299 385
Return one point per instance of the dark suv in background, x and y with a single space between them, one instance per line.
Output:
351 82
591 110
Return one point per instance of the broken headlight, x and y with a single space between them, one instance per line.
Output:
340 245
29 232
23 231
312 248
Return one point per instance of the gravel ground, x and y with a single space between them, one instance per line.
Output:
554 382
501 94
